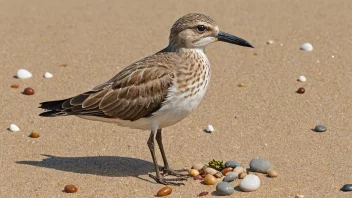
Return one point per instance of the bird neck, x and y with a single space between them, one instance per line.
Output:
172 48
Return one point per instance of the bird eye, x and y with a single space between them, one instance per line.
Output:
201 28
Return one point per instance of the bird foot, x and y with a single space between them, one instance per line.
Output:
168 181
177 173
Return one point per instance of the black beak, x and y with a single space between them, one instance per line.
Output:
223 36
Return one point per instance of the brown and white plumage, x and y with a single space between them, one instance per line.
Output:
157 91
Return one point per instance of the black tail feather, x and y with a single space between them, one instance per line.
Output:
53 108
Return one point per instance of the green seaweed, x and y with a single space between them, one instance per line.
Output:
217 165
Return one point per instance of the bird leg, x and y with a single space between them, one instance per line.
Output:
159 178
167 170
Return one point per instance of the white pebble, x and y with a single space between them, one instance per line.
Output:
269 42
23 74
302 78
332 56
250 183
48 75
209 129
306 47
14 128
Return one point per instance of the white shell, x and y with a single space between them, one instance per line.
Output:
210 171
48 75
23 74
14 128
269 42
302 78
250 183
306 47
209 129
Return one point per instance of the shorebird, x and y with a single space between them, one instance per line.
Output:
155 92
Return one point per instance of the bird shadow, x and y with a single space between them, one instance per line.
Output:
111 166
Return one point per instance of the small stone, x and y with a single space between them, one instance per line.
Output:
63 65
165 191
34 135
302 79
232 164
299 196
198 177
306 47
272 173
346 188
203 194
198 166
224 188
210 171
239 169
230 176
210 180
259 165
218 175
71 188
23 74
15 86
301 90
269 42
28 91
320 128
193 172
209 129
241 85
242 175
48 75
250 183
14 128
226 170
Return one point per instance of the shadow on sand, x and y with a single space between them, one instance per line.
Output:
112 166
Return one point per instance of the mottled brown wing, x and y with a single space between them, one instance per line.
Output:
136 92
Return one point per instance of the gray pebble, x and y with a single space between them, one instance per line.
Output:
259 165
232 164
346 187
230 176
320 128
224 188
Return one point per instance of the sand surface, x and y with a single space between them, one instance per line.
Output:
266 118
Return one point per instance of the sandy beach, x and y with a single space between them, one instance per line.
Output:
84 43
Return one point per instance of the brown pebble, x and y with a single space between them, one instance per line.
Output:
210 180
242 175
193 172
272 173
28 91
203 194
198 177
165 191
34 135
71 188
301 90
15 86
241 85
63 65
226 170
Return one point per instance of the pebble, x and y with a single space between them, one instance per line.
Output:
272 173
320 128
210 171
299 196
198 177
15 86
203 194
242 175
209 129
230 176
302 79
28 91
34 135
63 65
71 188
165 191
198 166
306 47
224 188
259 165
232 164
226 170
269 42
301 90
250 183
239 169
346 187
241 85
48 75
218 175
23 74
14 128
193 172
210 180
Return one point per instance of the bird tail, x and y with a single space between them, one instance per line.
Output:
53 108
